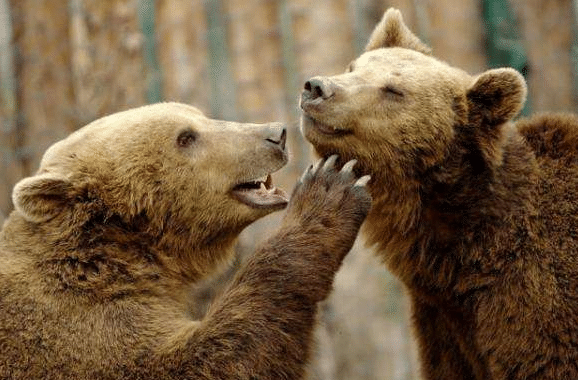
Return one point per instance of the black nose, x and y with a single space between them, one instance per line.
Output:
318 88
279 140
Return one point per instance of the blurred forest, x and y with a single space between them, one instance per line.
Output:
65 63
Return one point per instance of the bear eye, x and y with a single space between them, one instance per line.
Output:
186 138
390 90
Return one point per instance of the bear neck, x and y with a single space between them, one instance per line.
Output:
104 257
437 228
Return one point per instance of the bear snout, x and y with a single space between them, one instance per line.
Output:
316 90
278 137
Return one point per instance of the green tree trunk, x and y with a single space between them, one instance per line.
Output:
504 45
11 166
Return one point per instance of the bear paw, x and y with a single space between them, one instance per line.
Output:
330 203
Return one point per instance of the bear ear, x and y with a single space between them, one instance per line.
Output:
498 95
392 32
41 197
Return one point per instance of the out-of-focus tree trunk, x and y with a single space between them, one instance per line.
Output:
365 14
45 92
109 74
455 31
547 28
223 89
323 35
182 46
147 17
11 166
574 51
245 33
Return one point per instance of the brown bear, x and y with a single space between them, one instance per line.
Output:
477 214
125 215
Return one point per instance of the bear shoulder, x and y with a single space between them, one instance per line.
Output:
553 135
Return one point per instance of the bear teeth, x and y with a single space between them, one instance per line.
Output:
261 193
262 183
262 179
265 182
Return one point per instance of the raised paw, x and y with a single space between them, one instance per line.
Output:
330 202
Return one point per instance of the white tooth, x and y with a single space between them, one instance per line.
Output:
263 186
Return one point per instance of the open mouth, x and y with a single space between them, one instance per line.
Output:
322 128
260 193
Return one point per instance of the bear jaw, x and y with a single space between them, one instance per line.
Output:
260 193
310 125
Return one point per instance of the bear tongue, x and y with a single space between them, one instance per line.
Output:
266 196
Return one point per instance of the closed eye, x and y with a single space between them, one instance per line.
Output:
390 90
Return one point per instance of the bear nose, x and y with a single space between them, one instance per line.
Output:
318 87
278 136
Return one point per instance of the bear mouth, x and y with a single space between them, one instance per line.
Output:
260 193
324 129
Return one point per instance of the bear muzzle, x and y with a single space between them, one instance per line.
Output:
259 191
316 99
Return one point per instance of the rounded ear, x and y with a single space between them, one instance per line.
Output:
392 32
41 197
498 95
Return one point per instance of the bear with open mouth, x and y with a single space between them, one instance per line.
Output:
127 214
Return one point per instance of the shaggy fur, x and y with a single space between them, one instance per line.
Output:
476 214
124 216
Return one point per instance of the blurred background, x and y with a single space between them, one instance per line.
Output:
65 63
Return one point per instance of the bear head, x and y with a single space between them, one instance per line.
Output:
410 120
164 174
402 113
397 103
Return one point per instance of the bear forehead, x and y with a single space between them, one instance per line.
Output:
122 131
411 65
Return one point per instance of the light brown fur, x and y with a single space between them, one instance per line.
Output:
475 213
124 216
